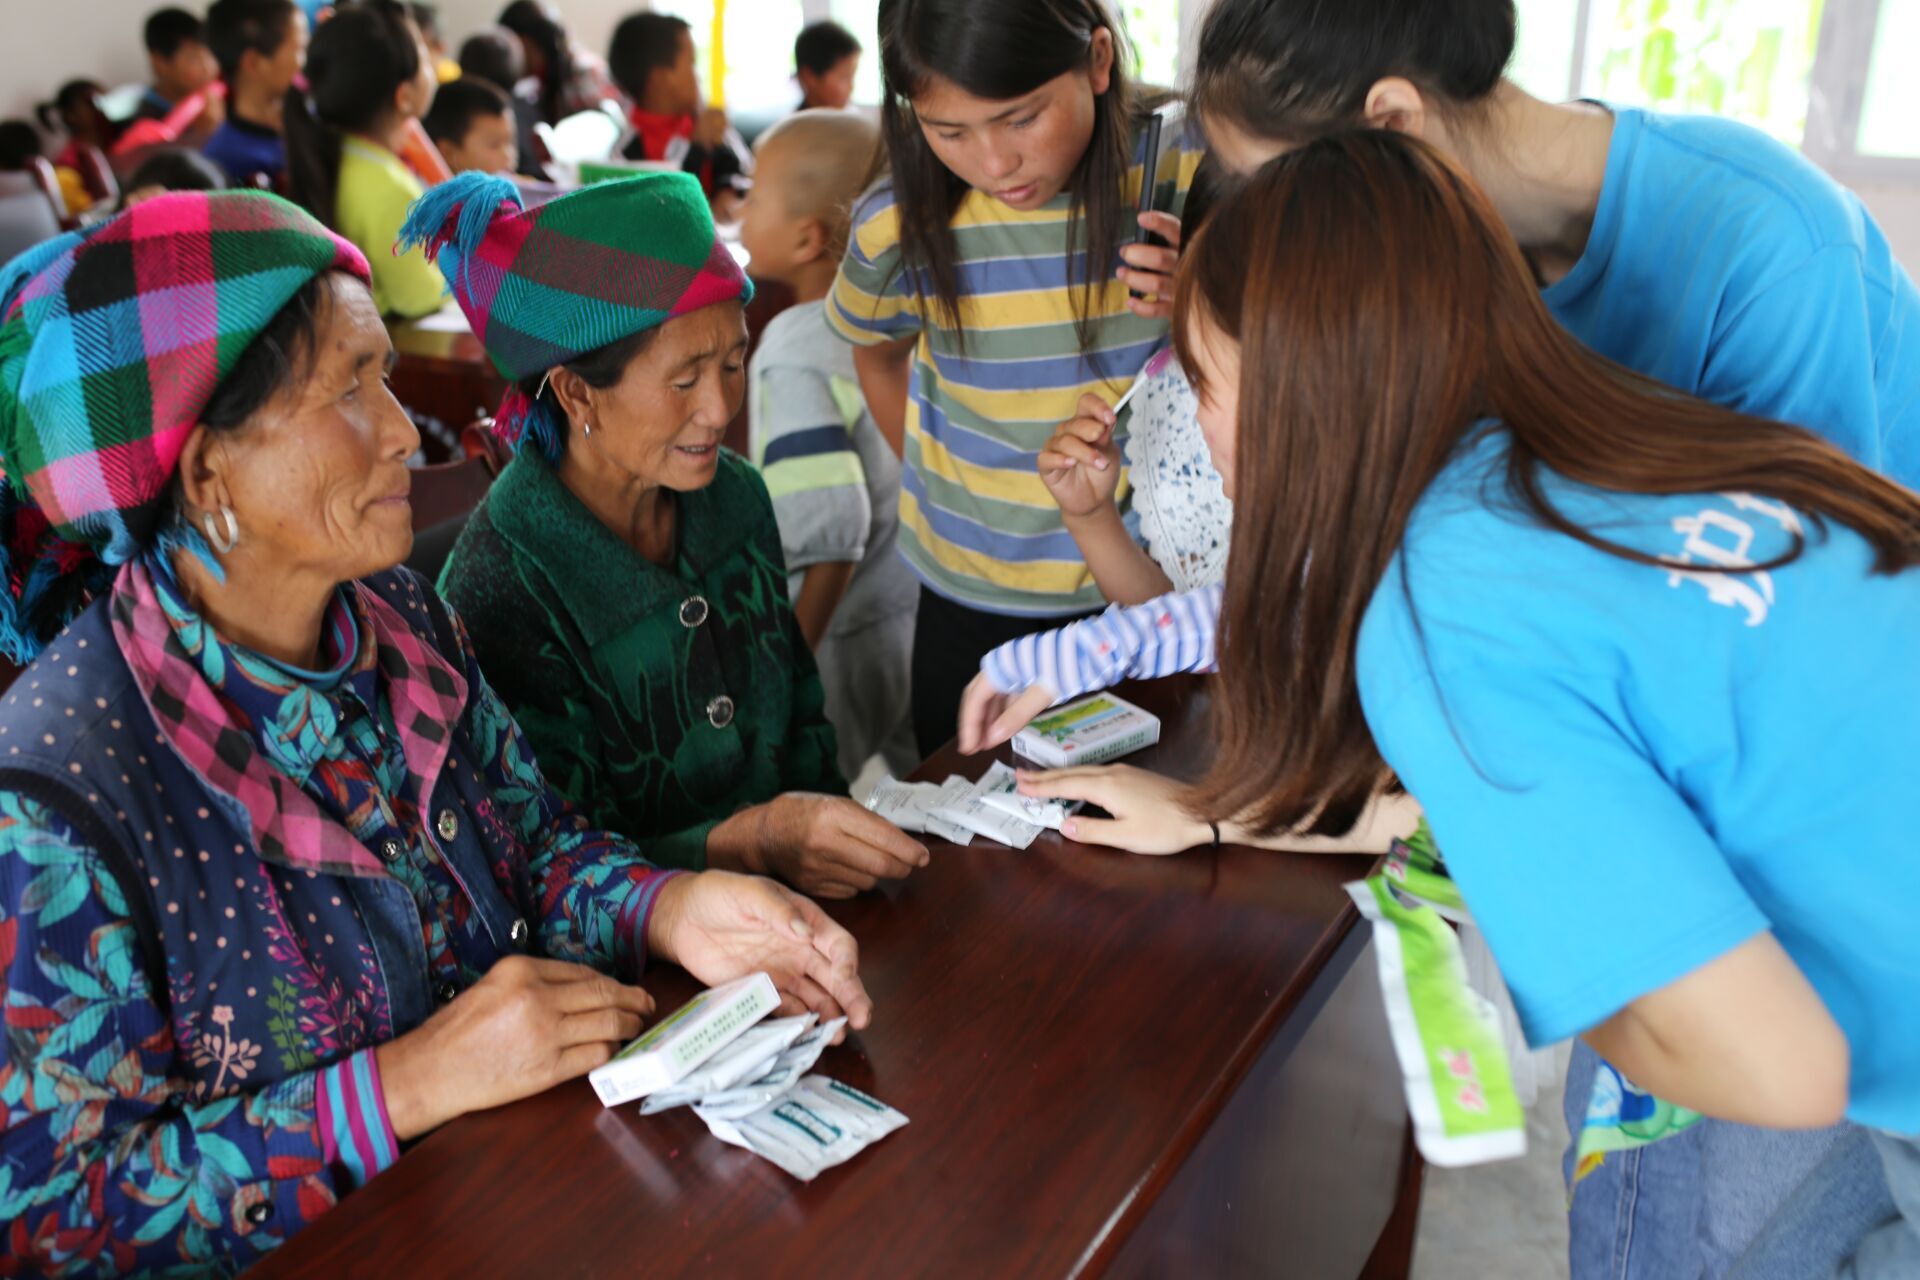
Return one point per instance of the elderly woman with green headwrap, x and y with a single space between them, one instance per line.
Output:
281 884
624 578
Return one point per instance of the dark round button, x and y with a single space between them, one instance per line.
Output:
176 1100
445 992
259 1213
519 932
720 712
391 850
693 611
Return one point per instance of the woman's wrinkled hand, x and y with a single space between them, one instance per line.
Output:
526 1026
719 926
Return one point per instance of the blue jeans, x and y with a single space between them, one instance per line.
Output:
1687 1207
1855 1217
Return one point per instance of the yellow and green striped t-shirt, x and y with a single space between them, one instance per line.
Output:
976 523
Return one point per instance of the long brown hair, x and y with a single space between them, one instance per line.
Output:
1000 50
1382 310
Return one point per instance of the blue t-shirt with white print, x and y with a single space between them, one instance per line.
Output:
1725 264
1633 769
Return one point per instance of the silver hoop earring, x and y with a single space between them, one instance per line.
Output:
586 428
232 538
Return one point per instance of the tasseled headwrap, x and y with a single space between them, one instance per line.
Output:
545 286
112 341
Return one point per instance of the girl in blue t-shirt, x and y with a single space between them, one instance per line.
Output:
1695 251
1645 661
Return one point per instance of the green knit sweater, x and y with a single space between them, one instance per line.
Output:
658 699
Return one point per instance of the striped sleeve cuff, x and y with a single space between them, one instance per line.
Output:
1172 634
355 1133
636 914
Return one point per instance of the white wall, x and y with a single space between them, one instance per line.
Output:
591 21
45 43
1897 209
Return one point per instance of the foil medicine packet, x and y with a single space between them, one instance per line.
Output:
819 1124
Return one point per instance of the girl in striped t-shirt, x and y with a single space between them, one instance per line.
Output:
986 289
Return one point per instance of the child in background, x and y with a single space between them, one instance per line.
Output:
834 479
19 146
652 62
568 80
171 169
369 78
826 58
427 18
182 66
495 55
260 46
75 111
472 124
986 288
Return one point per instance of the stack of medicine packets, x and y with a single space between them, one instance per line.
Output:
1091 731
747 1079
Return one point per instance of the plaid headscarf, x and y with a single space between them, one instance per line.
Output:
548 285
112 341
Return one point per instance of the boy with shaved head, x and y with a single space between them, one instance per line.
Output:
834 480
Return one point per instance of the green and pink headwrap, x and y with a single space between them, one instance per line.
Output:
112 342
545 286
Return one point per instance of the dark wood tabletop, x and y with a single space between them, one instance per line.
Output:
1100 1055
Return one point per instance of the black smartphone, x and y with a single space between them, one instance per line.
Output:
1149 179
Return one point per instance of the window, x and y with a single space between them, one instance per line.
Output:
1890 111
1827 76
759 35
1154 28
862 17
1747 59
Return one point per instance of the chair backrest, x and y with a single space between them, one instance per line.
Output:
447 490
27 217
478 441
39 175
98 175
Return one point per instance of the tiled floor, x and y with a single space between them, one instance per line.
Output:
1505 1221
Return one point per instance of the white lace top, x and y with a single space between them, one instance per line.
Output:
1185 520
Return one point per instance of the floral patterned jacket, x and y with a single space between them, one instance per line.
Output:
222 883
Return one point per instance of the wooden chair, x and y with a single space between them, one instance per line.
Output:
31 208
478 441
98 176
444 496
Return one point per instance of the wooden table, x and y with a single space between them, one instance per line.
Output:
1113 1065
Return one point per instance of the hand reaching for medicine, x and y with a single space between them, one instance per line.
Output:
989 717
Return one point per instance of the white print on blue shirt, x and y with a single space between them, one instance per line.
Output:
1752 592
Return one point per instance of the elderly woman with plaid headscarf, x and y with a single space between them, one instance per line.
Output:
624 577
281 885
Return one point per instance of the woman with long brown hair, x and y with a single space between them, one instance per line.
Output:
1646 662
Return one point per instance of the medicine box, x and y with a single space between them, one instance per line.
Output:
684 1039
1090 731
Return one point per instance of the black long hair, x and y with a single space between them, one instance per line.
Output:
1296 70
358 60
530 20
998 50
